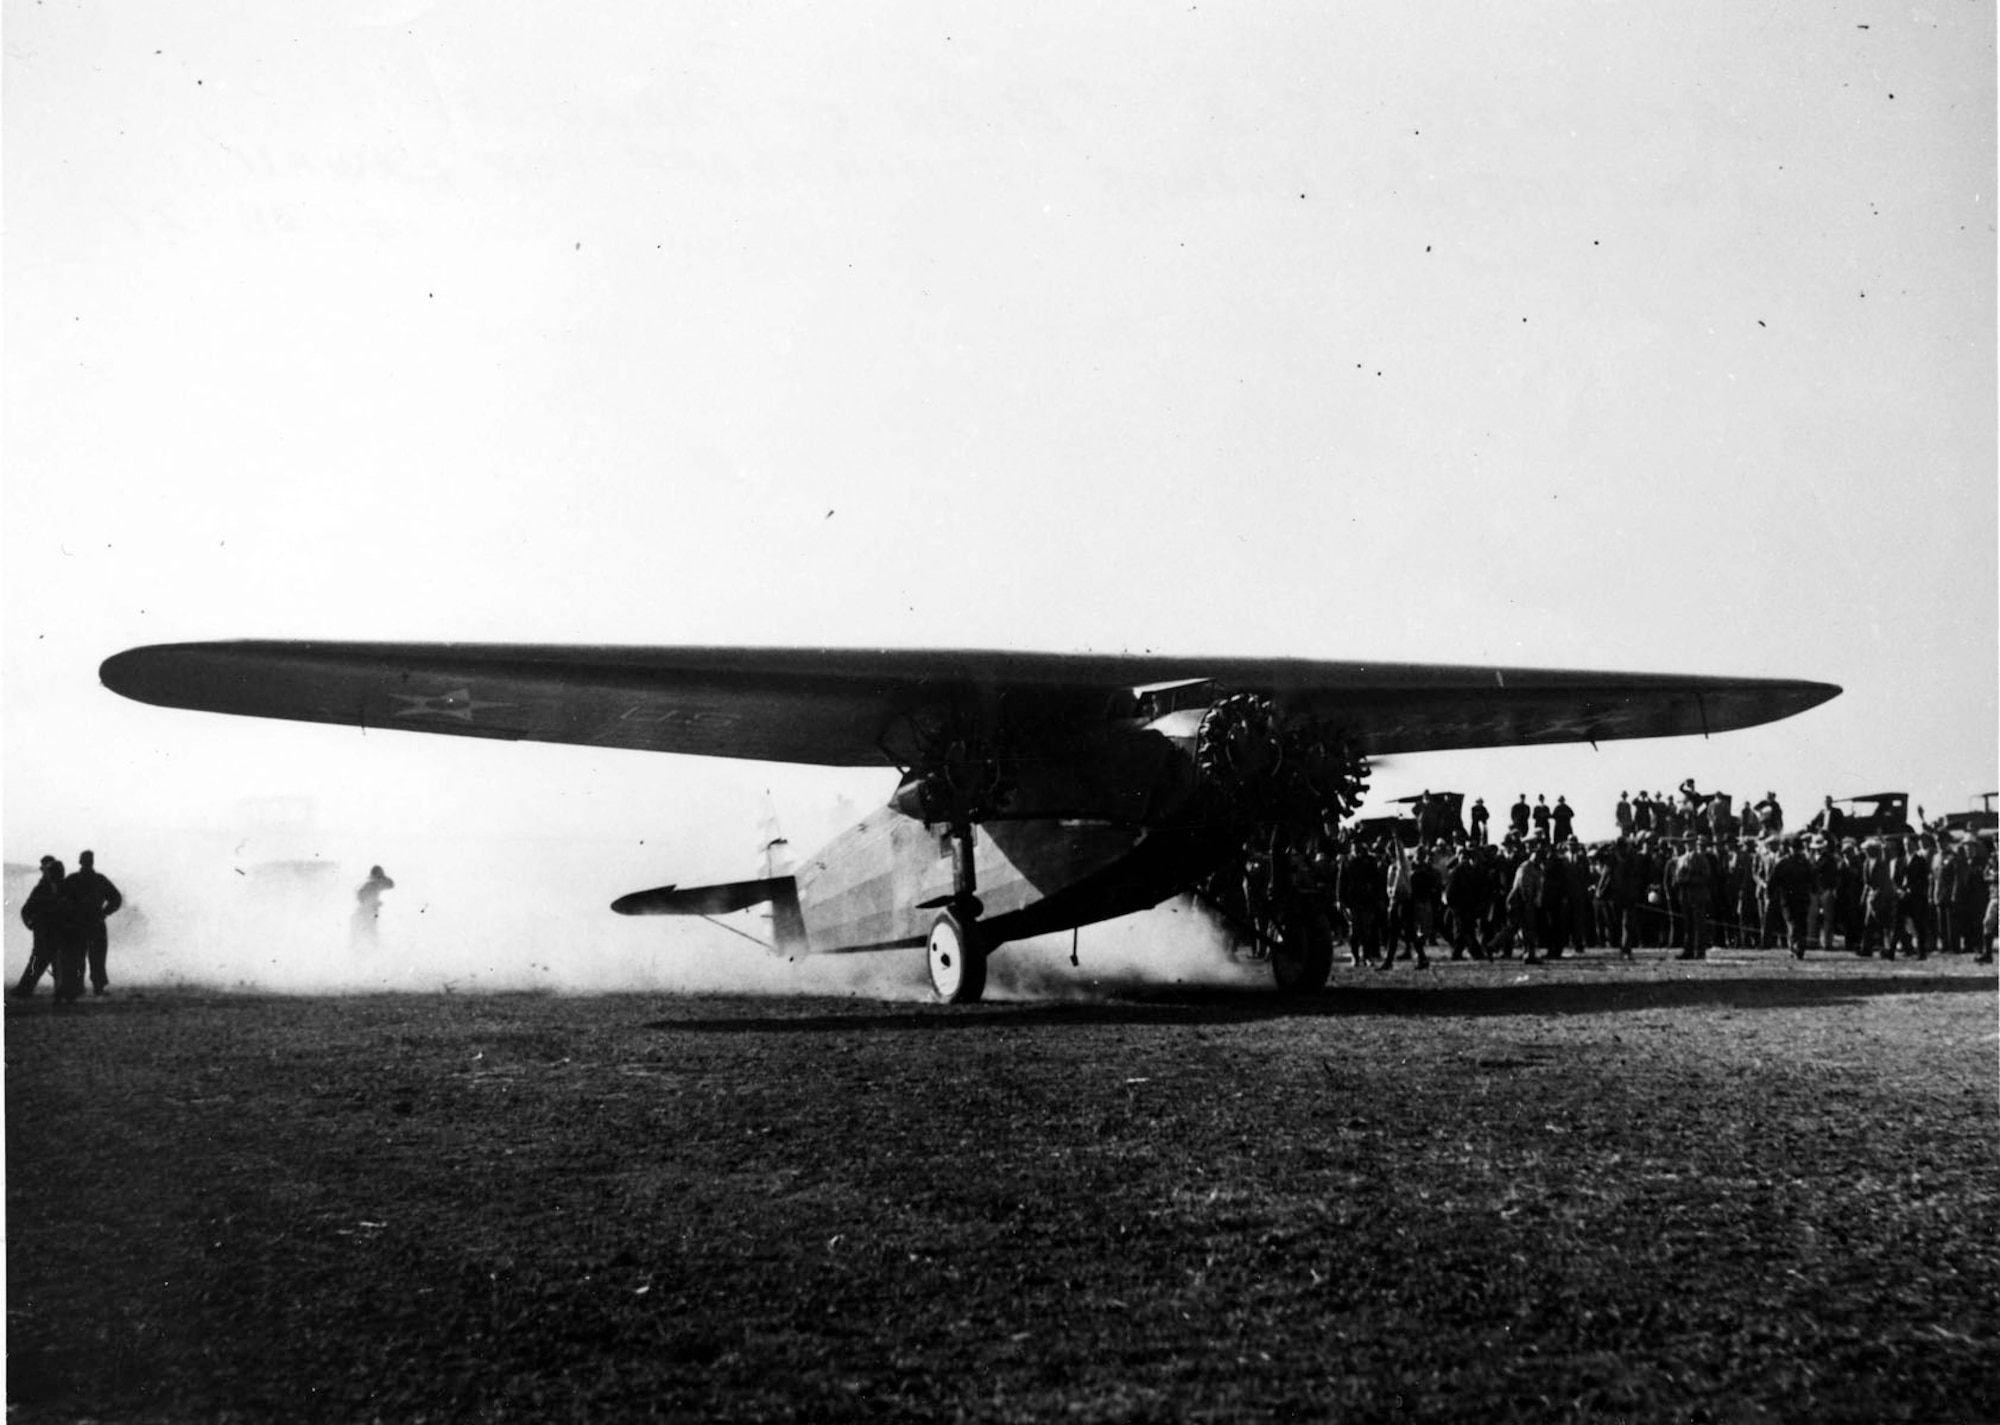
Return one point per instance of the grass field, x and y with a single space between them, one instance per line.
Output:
1744 1190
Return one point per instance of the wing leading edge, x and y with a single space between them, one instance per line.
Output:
833 707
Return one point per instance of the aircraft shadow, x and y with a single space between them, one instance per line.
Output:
1341 1001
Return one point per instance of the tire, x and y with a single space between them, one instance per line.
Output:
956 956
1302 960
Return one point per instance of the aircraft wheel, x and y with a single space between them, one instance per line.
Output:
1302 960
957 959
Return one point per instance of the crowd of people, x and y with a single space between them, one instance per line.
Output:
1690 813
1683 874
66 915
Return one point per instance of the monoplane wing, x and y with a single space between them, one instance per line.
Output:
839 707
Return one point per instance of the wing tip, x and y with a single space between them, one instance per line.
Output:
1811 695
642 902
130 673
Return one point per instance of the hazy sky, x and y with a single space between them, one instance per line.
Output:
1577 335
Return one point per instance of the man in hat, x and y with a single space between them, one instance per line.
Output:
1878 903
1642 815
1524 900
1822 917
362 929
1562 816
1789 888
1465 894
1771 814
1694 884
1913 895
1944 895
1970 903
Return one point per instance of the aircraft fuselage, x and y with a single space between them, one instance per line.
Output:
877 886
1088 833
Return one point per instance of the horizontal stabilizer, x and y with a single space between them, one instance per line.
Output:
706 900
781 893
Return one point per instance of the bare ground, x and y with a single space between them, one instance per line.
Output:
1744 1190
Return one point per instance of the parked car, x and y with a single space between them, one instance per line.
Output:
1449 823
1981 821
1871 814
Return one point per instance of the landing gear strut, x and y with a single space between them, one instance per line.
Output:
957 950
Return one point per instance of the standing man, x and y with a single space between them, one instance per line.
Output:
1913 895
1790 888
1624 815
1562 817
1628 893
1426 886
1524 901
1401 924
1878 904
93 900
1971 899
1517 817
1479 819
368 908
1360 891
1464 901
1718 817
44 915
1582 909
1694 882
1944 895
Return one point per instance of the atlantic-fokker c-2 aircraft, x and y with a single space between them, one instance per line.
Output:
1039 791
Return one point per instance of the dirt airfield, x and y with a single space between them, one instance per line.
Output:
1744 1190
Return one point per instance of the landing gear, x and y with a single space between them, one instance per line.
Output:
1303 958
958 958
955 780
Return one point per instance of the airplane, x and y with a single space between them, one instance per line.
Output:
1038 792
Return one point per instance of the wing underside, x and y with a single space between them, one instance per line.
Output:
840 707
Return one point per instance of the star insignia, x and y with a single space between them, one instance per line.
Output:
459 704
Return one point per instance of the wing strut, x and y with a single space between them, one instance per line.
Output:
964 875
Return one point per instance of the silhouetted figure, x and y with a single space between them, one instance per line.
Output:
92 900
368 908
46 917
1773 815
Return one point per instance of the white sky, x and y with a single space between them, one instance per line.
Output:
1571 335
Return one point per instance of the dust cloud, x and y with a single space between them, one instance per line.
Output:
1175 945
279 915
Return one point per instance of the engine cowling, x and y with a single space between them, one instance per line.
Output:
1283 789
1237 749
